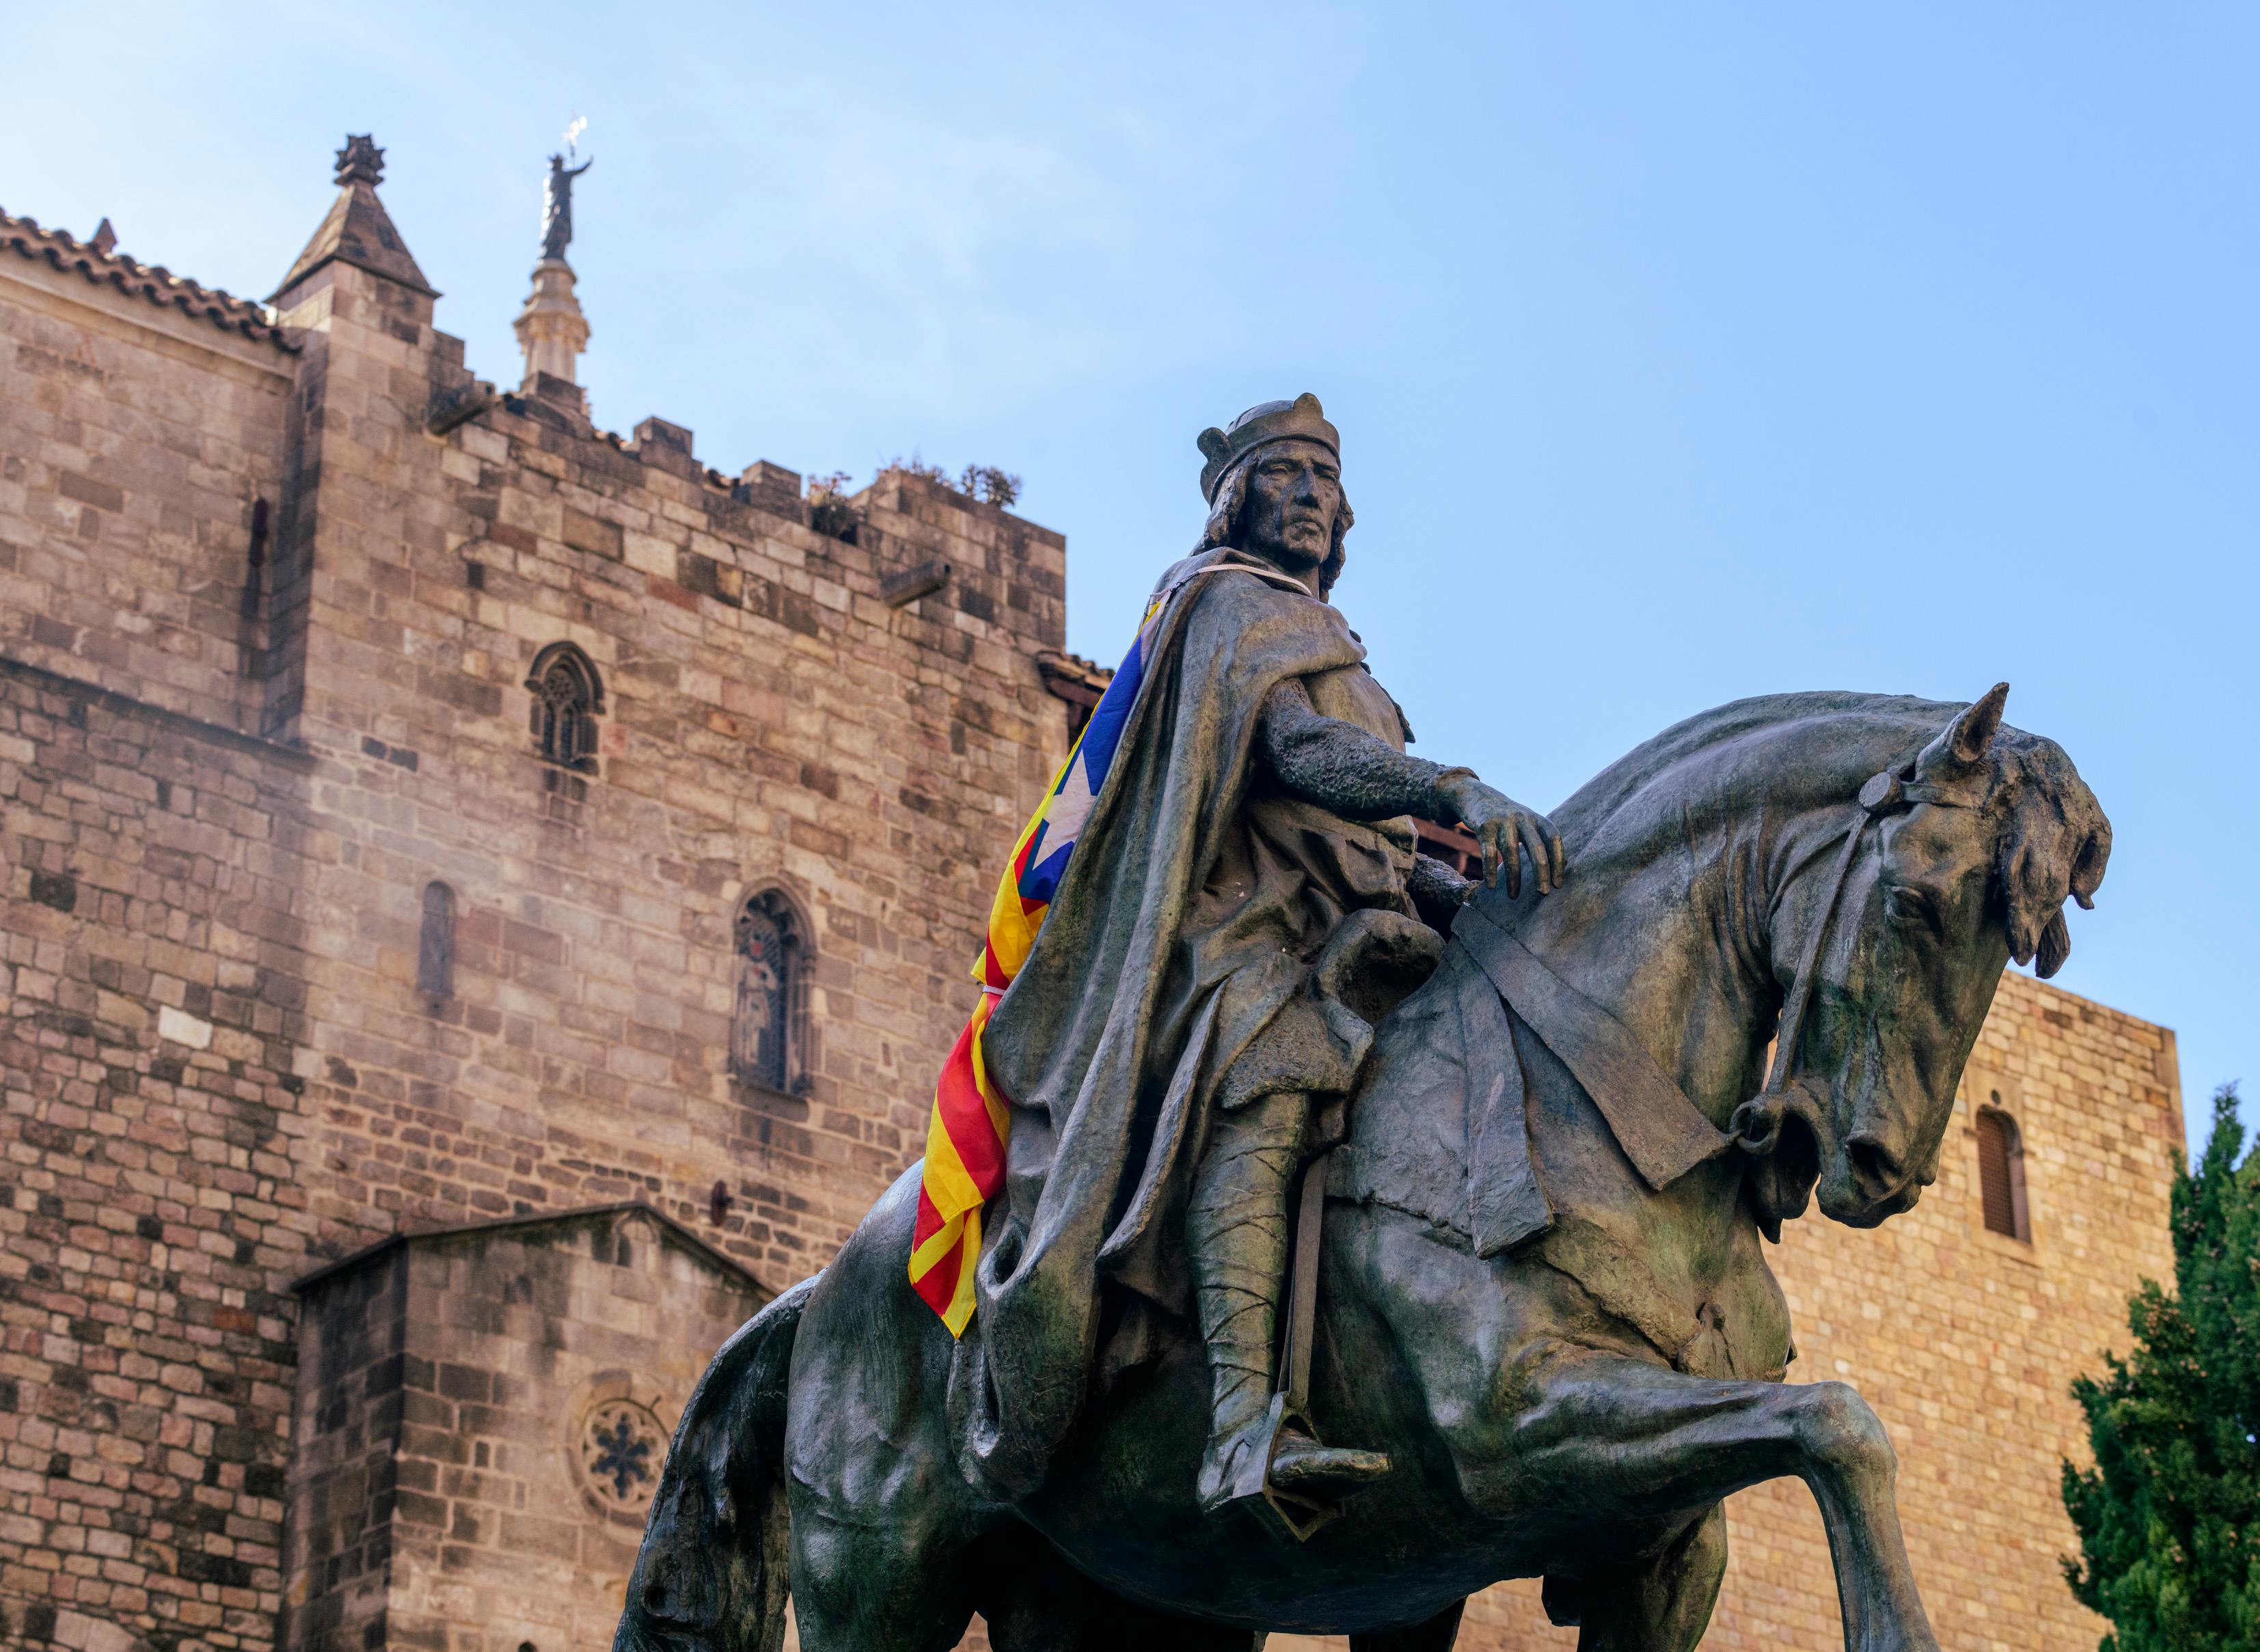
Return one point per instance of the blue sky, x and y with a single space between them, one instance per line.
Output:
1680 353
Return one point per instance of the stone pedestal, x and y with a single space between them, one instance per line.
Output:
551 329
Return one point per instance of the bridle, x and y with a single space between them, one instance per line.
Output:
1756 1123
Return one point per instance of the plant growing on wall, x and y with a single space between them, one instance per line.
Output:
987 482
984 482
830 510
2168 1517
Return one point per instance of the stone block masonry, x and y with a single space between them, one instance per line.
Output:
483 1416
768 721
142 450
150 1198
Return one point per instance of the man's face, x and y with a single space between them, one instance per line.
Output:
1294 493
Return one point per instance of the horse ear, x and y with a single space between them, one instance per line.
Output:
2088 869
1962 744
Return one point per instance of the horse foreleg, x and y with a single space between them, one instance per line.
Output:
1661 1605
1034 1601
893 1582
1435 1635
1633 1441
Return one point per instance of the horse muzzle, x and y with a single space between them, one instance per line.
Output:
1870 1183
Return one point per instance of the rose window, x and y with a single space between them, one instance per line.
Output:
622 1447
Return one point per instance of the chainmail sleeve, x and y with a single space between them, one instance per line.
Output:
1338 765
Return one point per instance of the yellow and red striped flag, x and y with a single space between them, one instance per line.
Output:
965 1135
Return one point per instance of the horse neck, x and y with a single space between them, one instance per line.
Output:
1668 923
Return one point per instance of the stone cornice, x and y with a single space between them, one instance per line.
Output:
670 1229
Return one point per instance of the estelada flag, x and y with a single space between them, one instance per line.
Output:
965 1136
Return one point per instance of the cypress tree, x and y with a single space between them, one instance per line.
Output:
2168 1516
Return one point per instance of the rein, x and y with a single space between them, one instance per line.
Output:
1755 1125
1661 1131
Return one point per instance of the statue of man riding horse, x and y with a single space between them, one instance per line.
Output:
1307 1237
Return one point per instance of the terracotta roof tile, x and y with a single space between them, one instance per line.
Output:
1063 670
61 250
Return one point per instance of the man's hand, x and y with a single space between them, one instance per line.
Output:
1504 829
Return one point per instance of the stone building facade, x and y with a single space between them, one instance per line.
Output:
482 1414
406 786
481 902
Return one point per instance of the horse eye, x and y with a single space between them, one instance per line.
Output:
1907 904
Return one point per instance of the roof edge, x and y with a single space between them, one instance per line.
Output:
667 1224
61 250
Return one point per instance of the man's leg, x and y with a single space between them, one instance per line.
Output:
1237 1232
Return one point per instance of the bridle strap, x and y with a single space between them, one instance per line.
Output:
1790 1028
1884 793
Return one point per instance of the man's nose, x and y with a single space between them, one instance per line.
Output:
1306 486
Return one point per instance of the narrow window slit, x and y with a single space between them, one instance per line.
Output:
435 944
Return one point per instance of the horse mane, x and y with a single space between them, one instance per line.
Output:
2054 841
1766 716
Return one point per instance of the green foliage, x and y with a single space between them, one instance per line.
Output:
2168 1517
829 509
975 481
986 481
917 467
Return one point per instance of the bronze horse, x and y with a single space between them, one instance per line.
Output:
1566 1393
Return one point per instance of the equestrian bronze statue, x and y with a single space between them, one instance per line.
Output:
1363 1237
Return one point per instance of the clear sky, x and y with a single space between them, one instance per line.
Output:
1680 352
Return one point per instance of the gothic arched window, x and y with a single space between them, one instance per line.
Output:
768 1021
435 942
2001 1172
567 695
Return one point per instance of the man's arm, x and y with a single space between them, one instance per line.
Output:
1338 765
1359 776
1437 891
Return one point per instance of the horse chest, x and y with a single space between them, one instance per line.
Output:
1682 1266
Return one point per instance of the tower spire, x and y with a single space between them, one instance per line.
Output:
358 230
551 329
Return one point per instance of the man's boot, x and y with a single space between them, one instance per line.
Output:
1237 1231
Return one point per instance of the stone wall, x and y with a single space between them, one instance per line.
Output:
769 721
152 1209
142 450
218 816
484 1413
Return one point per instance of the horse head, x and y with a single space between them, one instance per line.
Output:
1888 952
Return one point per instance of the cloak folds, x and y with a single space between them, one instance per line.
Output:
1134 999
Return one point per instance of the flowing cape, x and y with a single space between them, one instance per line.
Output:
967 1127
1127 1005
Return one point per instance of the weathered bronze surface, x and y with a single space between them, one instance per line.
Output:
1544 1340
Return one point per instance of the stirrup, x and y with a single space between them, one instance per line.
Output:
1293 1515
